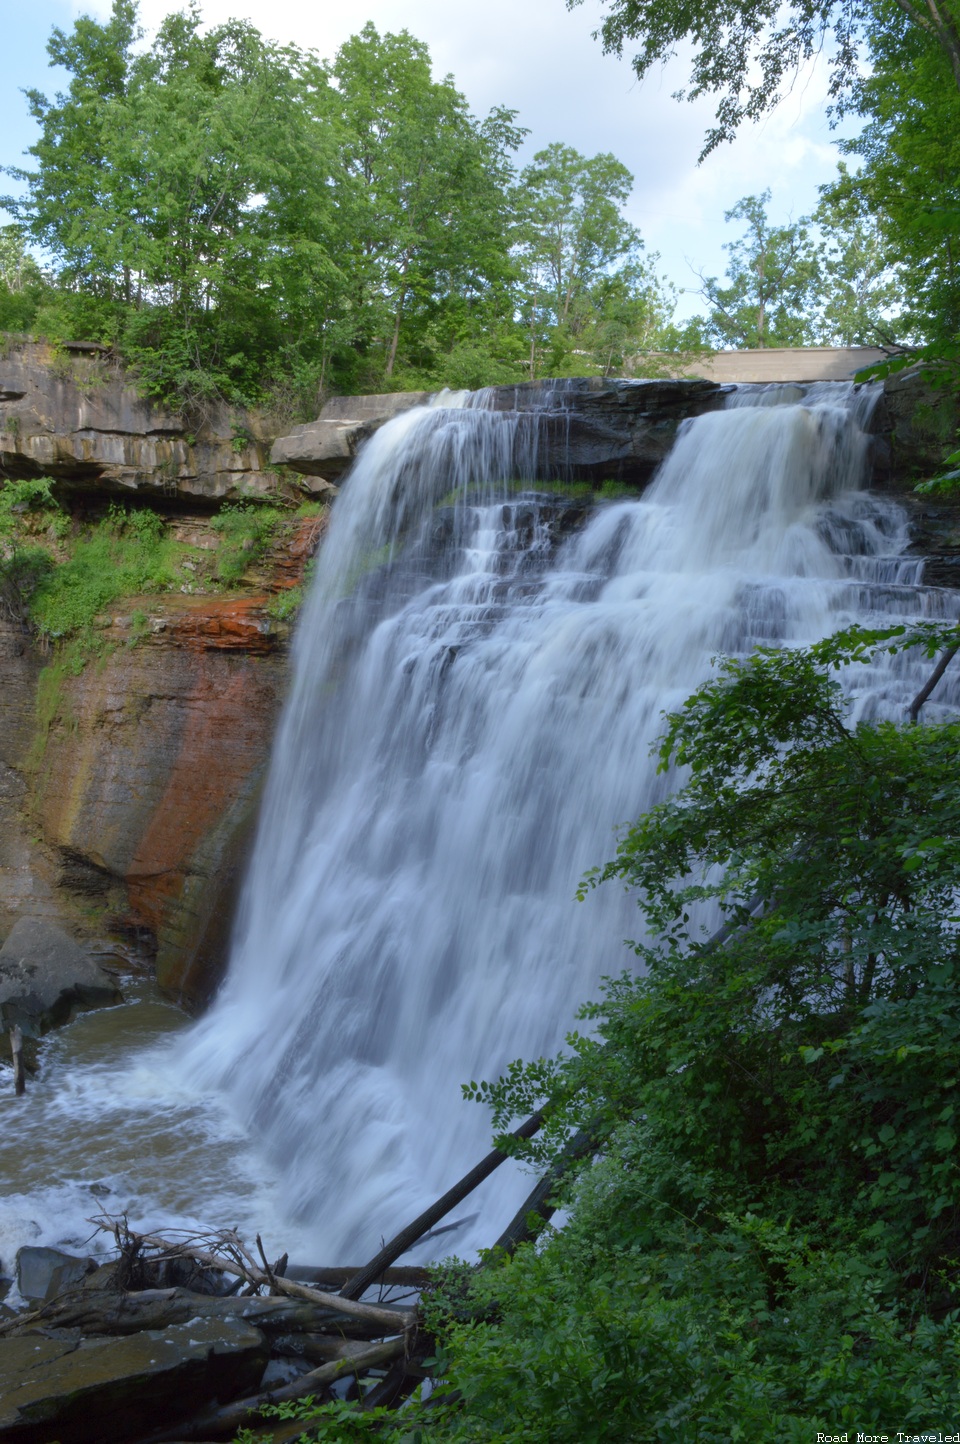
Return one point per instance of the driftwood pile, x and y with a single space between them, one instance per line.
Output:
320 1321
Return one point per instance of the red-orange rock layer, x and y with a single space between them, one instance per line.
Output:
152 764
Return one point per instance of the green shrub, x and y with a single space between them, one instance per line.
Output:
286 604
25 506
126 554
246 530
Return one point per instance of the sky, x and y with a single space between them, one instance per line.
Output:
541 60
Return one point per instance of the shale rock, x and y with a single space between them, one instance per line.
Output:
43 1273
27 884
100 1390
591 428
150 768
45 978
921 419
597 428
917 425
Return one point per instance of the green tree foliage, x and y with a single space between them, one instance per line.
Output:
745 52
241 220
24 564
158 190
587 295
429 198
824 280
907 181
861 297
772 275
888 267
22 284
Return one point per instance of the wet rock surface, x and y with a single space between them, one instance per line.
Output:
60 1387
916 423
590 428
45 977
150 773
43 1273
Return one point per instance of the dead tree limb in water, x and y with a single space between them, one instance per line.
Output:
943 663
539 1202
16 1050
408 1236
236 1261
107 1311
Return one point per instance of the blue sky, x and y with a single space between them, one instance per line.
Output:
540 59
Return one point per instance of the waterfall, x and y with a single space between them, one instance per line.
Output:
479 675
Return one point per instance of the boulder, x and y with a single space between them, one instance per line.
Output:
100 1390
45 977
322 450
43 1273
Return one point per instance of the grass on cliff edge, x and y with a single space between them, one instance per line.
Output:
61 576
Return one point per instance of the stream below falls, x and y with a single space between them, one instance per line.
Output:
479 674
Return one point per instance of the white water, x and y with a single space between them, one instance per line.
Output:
474 702
464 736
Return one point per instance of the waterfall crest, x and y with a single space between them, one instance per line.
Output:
480 673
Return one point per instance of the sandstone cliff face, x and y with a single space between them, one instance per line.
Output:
72 416
128 792
27 874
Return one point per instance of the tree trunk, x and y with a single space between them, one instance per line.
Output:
395 341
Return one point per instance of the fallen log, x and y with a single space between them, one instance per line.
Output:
109 1312
230 1417
943 663
409 1277
407 1237
316 1348
539 1202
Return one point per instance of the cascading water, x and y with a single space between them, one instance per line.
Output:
479 674
474 702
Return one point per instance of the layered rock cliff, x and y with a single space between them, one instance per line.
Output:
128 786
70 414
128 779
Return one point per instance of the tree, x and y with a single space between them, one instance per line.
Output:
22 283
909 155
428 239
158 192
772 274
860 294
745 51
586 289
72 203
